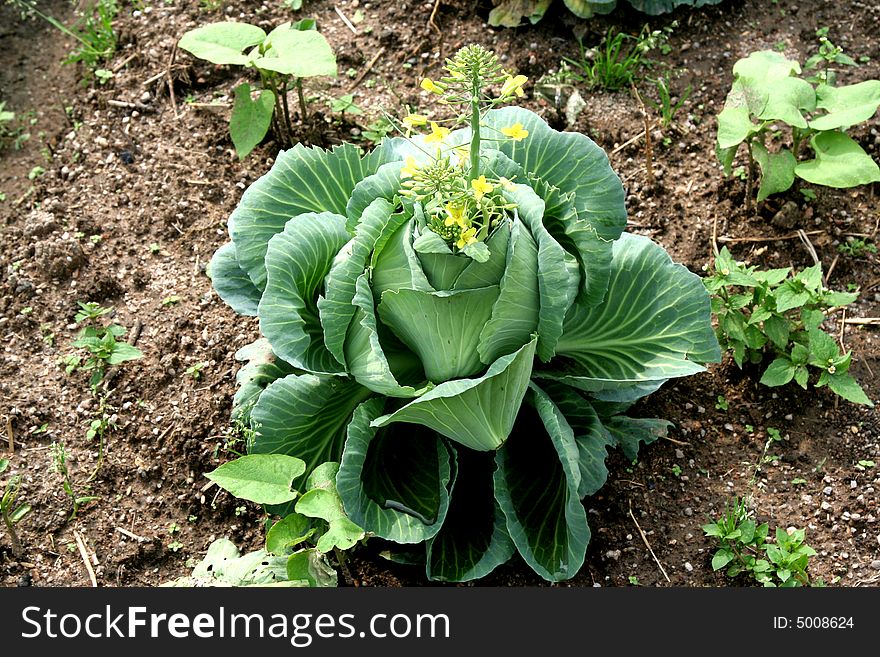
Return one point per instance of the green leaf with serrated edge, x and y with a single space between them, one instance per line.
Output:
287 533
760 314
577 236
396 265
222 43
231 282
772 277
846 106
515 313
365 353
311 566
473 540
305 415
799 354
801 375
335 308
384 183
262 367
569 161
431 242
590 435
789 295
301 180
122 352
442 328
393 481
485 274
250 118
839 298
823 348
811 318
840 162
778 330
545 518
811 277
655 326
300 53
558 272
322 500
478 413
780 372
629 432
260 478
777 170
297 260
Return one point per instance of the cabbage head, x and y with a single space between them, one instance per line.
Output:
469 382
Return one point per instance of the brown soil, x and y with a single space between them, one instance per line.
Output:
127 166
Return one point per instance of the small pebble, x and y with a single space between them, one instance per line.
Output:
679 454
827 490
688 567
875 564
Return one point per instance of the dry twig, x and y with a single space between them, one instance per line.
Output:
807 243
649 154
366 69
83 552
345 20
648 545
726 240
10 436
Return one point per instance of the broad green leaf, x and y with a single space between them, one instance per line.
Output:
536 484
655 326
394 481
780 372
477 251
222 43
510 13
655 7
443 269
801 376
569 161
734 127
515 313
306 416
629 432
297 260
396 266
839 298
473 540
778 330
262 367
300 53
4 463
609 390
578 237
311 566
322 501
366 354
721 559
590 435
790 295
443 328
431 242
231 282
485 274
260 478
589 8
384 183
843 384
250 118
823 348
764 84
840 162
558 272
777 170
846 106
224 565
287 533
301 180
726 157
335 307
478 413
122 352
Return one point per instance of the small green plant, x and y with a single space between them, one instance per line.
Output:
827 56
616 62
59 462
155 248
11 513
285 57
345 104
633 580
101 344
857 248
721 403
676 470
36 172
175 546
744 549
780 312
378 129
767 91
171 300
195 370
666 104
864 464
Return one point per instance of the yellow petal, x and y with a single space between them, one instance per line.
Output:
415 120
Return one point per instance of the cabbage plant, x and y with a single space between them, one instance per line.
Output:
459 320
510 13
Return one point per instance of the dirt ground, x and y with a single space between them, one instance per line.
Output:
139 183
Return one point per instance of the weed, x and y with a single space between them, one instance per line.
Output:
345 104
378 129
666 105
857 248
171 300
59 461
195 371
11 513
827 55
721 403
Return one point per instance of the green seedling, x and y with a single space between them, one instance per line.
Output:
285 57
345 104
721 403
778 312
857 248
767 91
827 56
59 461
195 370
12 513
666 104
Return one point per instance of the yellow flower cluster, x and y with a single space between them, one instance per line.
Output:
456 215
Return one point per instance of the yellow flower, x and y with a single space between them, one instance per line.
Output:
455 215
415 120
466 237
437 133
429 85
410 168
513 85
481 187
515 132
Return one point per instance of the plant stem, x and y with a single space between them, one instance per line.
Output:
749 168
475 131
17 550
288 127
303 111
